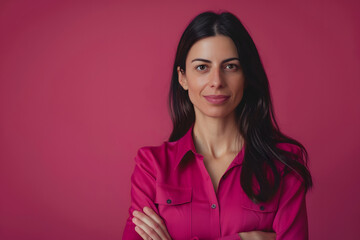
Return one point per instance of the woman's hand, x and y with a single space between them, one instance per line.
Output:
149 225
257 235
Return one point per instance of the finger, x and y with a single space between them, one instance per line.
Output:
272 236
152 228
147 229
142 233
151 213
268 235
263 235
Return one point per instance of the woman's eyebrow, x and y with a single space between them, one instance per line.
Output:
208 61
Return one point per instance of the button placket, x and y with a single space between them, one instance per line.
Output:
213 201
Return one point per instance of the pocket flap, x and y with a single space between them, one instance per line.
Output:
270 206
172 195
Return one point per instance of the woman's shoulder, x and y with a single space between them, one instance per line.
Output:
289 147
157 149
292 151
156 155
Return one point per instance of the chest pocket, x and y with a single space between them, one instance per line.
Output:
172 195
174 205
260 215
267 207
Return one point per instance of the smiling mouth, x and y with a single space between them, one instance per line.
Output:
217 99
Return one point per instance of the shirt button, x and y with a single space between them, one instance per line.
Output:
168 201
262 208
213 206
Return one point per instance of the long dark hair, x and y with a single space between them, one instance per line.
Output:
254 114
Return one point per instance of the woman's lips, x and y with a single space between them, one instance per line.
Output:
217 99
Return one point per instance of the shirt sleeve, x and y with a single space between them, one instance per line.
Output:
291 221
142 190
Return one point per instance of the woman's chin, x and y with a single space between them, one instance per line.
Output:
217 114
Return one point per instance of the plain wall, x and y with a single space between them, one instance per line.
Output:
83 85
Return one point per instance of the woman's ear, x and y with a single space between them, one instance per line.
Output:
182 78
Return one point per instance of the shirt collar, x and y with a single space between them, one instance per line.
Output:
186 144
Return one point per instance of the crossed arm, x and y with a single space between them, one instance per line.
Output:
150 226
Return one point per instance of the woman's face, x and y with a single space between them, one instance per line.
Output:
214 78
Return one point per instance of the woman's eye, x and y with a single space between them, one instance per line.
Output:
201 67
231 66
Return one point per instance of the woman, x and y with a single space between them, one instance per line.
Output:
227 172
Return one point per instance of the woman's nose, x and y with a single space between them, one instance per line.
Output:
216 78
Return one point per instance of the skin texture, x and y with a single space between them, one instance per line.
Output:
216 135
213 78
149 225
217 73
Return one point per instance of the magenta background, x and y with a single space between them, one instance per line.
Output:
83 85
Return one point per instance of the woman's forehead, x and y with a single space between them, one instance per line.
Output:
213 48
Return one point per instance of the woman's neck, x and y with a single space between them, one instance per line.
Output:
216 137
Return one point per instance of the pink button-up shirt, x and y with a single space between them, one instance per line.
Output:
173 181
